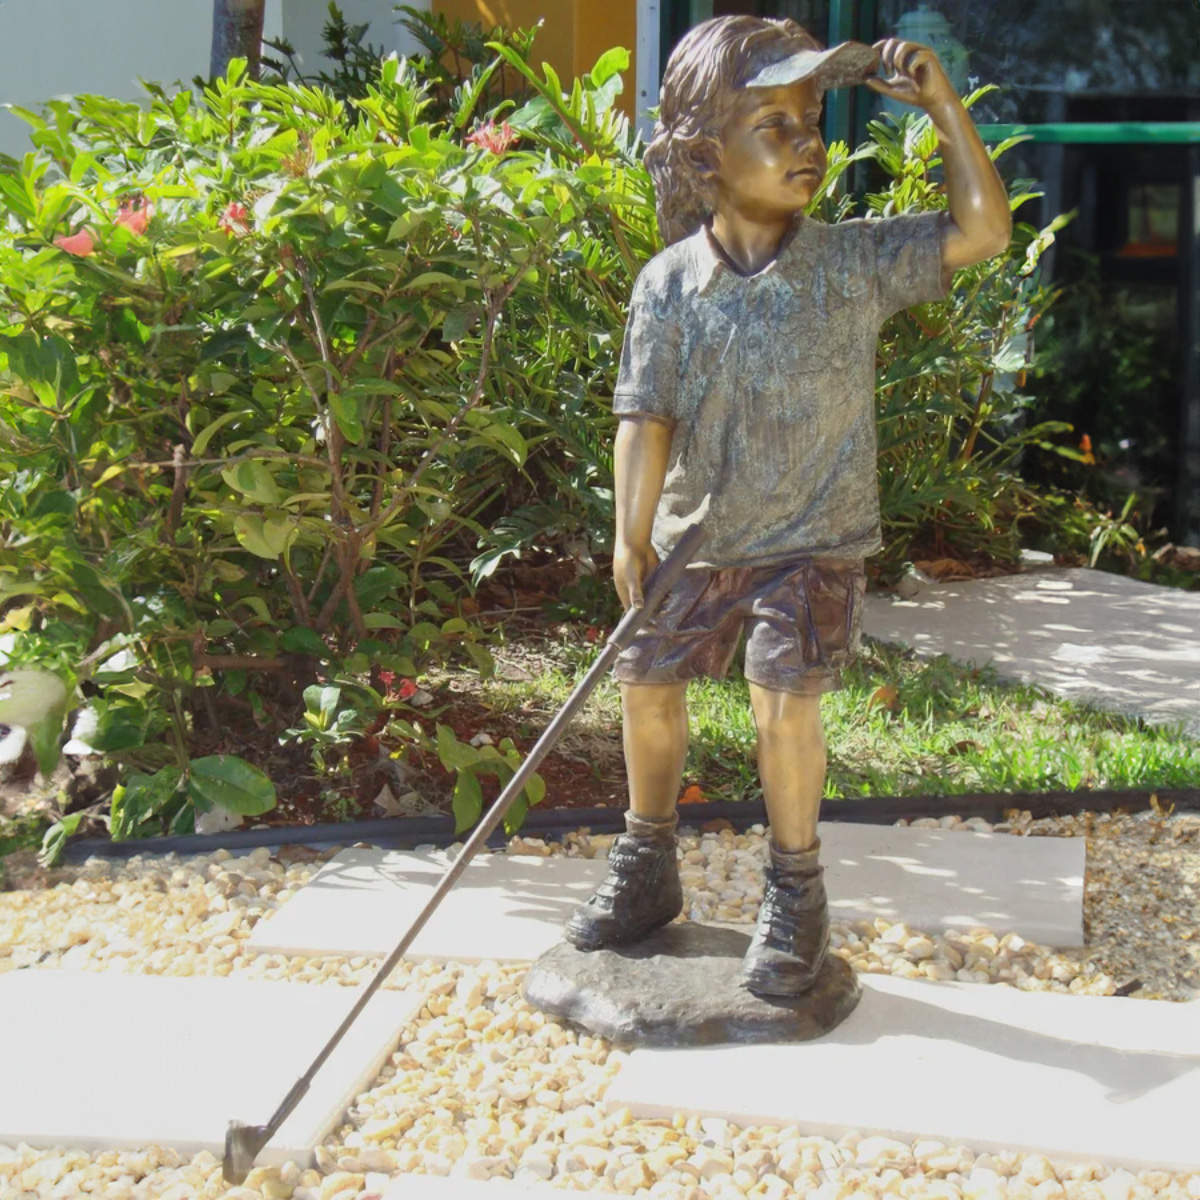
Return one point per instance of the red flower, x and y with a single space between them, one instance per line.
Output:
492 138
236 218
81 244
408 689
387 678
135 215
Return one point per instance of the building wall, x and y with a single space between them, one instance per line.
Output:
575 33
54 48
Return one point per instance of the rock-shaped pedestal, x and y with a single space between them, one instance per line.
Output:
679 987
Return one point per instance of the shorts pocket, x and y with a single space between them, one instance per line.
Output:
835 592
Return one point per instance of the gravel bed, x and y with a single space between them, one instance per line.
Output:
483 1085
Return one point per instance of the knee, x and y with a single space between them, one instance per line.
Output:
785 719
650 702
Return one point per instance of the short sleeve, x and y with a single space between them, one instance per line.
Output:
648 378
908 260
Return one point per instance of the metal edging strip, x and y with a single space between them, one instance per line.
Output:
1127 133
407 833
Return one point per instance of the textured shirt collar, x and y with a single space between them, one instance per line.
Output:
714 269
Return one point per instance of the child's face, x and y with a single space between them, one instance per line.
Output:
772 157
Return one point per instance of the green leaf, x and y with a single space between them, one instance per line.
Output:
120 727
254 481
323 702
430 278
347 412
454 755
206 434
142 798
382 620
467 802
355 285
535 789
302 640
37 702
232 783
266 538
378 583
610 63
514 818
485 664
458 322
508 439
56 839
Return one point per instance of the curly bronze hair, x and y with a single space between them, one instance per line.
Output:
699 88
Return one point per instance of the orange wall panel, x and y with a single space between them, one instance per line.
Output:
600 25
574 35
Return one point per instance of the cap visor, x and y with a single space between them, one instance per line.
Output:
842 66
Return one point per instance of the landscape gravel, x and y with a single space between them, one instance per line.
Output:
482 1085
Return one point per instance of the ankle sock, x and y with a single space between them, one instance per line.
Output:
651 827
797 862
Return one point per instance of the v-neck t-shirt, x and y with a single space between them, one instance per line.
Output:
768 381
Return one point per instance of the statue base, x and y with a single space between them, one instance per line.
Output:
679 987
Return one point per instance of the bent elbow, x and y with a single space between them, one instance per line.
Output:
1002 237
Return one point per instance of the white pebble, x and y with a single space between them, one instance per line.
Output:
882 1151
1118 1186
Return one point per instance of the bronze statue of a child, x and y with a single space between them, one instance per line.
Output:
746 400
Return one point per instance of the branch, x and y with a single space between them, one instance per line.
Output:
239 662
495 304
335 598
297 594
178 494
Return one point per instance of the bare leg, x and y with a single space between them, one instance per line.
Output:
655 732
791 764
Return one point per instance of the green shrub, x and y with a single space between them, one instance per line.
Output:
952 413
283 374
271 364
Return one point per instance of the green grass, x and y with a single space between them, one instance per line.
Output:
946 729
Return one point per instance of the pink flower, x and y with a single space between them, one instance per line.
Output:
81 243
496 140
236 218
135 215
387 678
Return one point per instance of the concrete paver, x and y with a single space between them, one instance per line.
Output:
170 1061
512 908
1114 642
1073 1077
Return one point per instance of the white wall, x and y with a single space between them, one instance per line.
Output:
53 48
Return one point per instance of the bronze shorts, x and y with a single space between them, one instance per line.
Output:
802 619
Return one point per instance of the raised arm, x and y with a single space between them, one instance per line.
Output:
981 221
639 468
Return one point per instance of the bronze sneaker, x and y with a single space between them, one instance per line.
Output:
641 892
792 936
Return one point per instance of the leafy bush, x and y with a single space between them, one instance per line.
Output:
273 362
952 415
282 374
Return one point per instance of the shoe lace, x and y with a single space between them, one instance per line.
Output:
626 861
785 904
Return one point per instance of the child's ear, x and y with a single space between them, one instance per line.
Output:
704 156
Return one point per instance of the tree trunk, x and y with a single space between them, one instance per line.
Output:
237 33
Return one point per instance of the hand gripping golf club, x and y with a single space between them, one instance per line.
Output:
243 1142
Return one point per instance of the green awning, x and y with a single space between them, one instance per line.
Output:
1158 133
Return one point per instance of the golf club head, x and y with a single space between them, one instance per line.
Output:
242 1144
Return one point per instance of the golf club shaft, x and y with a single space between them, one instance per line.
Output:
659 583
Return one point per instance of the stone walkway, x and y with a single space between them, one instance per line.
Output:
952 1061
1107 640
